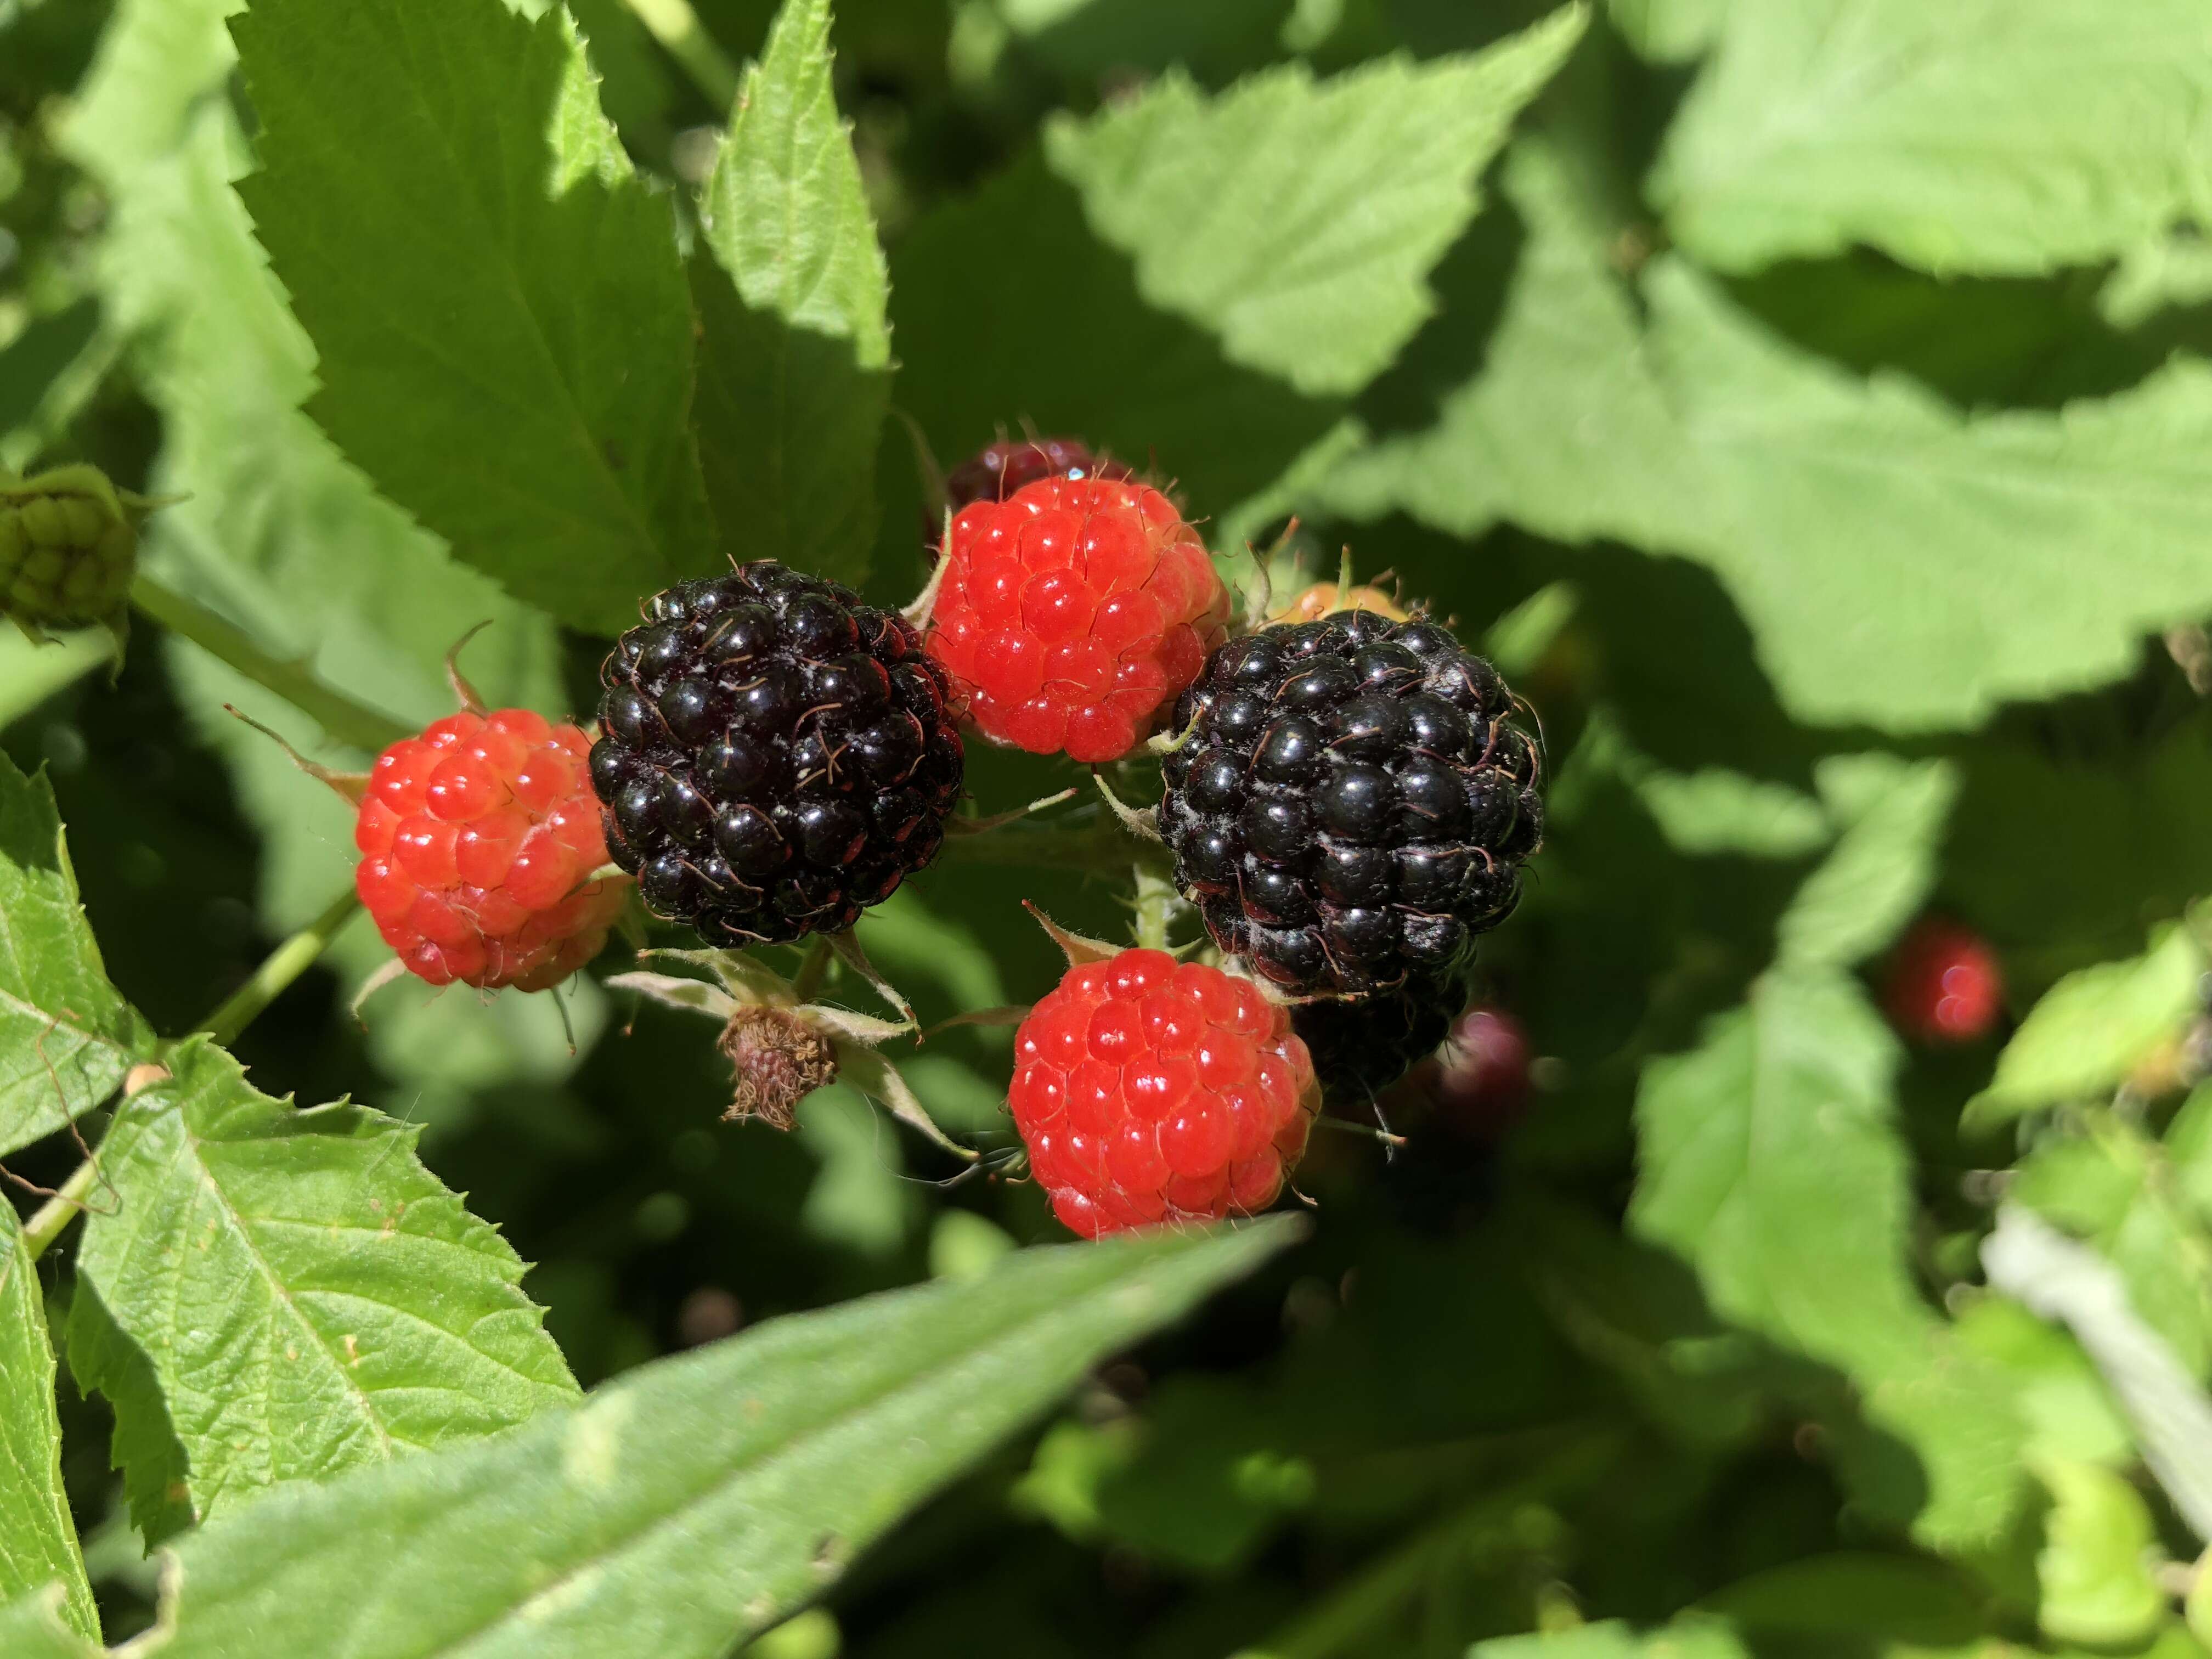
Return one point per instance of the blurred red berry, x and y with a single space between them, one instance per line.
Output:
1944 984
1148 1091
1073 613
1011 464
475 839
1477 1083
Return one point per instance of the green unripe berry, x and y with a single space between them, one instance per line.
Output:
67 548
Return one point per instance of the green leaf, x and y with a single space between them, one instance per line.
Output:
2070 1412
1771 1163
698 1500
2095 1571
37 1627
1690 1638
2093 1027
1713 811
66 1037
795 351
1990 136
308 1295
1908 1599
1299 221
1890 814
497 303
2116 1187
1813 495
38 1539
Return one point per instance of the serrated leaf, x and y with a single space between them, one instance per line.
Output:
1770 1162
2011 136
2094 1569
66 1037
794 348
37 1627
1812 494
1298 220
38 1539
1086 355
700 1500
496 302
308 1295
1889 815
2092 1028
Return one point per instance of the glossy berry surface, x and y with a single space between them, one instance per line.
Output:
998 470
476 840
775 755
1362 1045
1353 806
1148 1091
1072 612
1944 984
1476 1086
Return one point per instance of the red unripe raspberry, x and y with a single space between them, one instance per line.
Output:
1944 984
475 838
998 470
1074 612
1477 1083
1148 1091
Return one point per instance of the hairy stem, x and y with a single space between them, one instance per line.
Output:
346 720
678 28
282 965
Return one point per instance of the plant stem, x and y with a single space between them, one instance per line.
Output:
808 980
56 1214
346 720
282 965
678 28
1158 905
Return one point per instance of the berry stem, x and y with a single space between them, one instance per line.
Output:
276 972
345 719
1157 902
46 1224
808 980
678 28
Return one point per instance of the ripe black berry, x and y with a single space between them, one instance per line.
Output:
777 755
1361 1046
998 470
1354 804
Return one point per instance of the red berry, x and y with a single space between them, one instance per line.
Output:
1477 1083
1010 465
1072 613
474 839
1944 984
1152 1091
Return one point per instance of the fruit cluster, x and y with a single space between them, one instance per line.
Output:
1348 802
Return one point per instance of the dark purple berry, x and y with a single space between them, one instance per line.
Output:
776 756
1352 807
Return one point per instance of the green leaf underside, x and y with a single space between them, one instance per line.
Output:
698 1499
38 1539
38 1627
2092 1028
1817 497
308 1295
1298 220
1892 813
1771 1163
2012 136
66 1037
497 303
792 294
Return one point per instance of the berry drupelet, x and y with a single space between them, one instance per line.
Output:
776 756
1944 984
476 840
998 470
1362 1045
1072 613
1351 805
1148 1091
